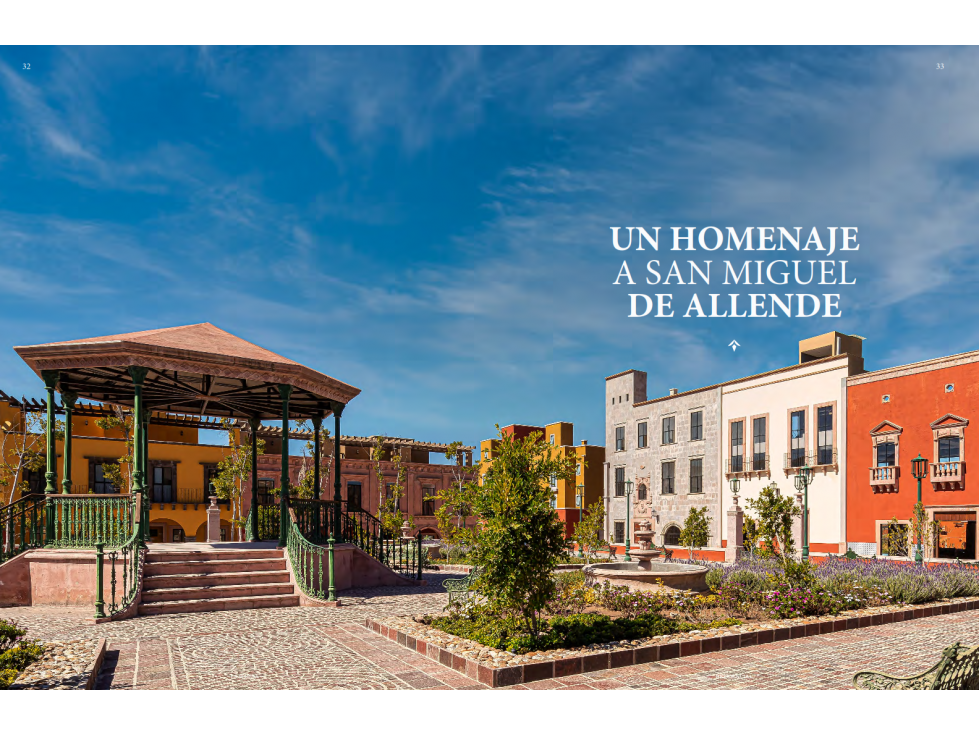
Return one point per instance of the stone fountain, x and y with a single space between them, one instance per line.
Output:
647 575
646 552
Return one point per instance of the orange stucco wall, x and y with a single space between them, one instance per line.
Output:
916 401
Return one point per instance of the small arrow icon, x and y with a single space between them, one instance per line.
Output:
734 345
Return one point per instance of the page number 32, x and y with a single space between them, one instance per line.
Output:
939 65
27 66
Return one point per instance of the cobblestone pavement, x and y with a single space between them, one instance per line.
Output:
317 648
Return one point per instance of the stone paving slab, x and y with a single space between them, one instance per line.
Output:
330 648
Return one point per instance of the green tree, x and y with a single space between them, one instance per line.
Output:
749 532
120 473
920 525
233 471
389 492
696 529
455 500
589 530
521 539
775 515
23 447
304 488
896 539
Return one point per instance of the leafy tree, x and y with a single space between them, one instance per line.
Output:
749 532
775 515
120 473
23 448
919 524
896 541
455 501
589 530
521 539
233 471
304 488
389 493
696 529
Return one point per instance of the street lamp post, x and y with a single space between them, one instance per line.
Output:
802 481
735 488
579 498
919 468
628 518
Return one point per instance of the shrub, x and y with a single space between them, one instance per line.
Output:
16 653
714 579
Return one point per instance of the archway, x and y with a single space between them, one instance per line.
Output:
671 536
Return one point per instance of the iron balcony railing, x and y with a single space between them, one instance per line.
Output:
822 457
744 464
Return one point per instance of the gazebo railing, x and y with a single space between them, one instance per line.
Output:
125 570
86 520
314 573
22 526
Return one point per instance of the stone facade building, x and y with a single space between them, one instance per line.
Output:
668 448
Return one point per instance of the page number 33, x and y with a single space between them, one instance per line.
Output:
939 65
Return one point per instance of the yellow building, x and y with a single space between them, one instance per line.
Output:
180 468
569 496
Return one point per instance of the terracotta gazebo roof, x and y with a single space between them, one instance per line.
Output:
197 369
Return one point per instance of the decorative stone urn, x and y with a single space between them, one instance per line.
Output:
646 552
406 530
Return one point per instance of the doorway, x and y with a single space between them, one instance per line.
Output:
956 535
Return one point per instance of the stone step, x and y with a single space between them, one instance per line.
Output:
169 568
186 593
155 556
187 580
217 605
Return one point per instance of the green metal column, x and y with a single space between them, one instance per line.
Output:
68 399
284 391
148 478
138 374
254 423
317 422
50 381
337 411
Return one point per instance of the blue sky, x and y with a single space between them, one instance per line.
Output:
432 225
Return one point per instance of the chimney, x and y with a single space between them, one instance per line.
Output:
584 443
673 391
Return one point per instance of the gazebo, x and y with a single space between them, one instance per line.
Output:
191 370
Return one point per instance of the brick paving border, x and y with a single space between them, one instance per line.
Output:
532 672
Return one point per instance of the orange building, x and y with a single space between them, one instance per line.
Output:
569 496
892 416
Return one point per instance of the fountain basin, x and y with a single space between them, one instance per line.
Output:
676 576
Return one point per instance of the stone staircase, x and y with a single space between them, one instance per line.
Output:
184 581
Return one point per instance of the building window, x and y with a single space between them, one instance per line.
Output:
950 387
353 495
553 481
759 444
211 478
577 469
737 446
641 492
620 532
948 449
620 438
797 439
428 500
620 481
824 435
552 439
669 474
886 453
669 429
696 476
96 478
641 438
885 398
672 536
163 484
697 425
486 454
893 539
37 482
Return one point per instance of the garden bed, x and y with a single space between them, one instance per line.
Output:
498 668
64 666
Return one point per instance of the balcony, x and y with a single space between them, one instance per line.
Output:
824 459
884 478
948 475
748 466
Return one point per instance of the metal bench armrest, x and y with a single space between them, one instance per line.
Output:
872 680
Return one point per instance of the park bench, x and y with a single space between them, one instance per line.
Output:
958 670
461 587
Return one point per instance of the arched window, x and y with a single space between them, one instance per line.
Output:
641 492
948 449
672 536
